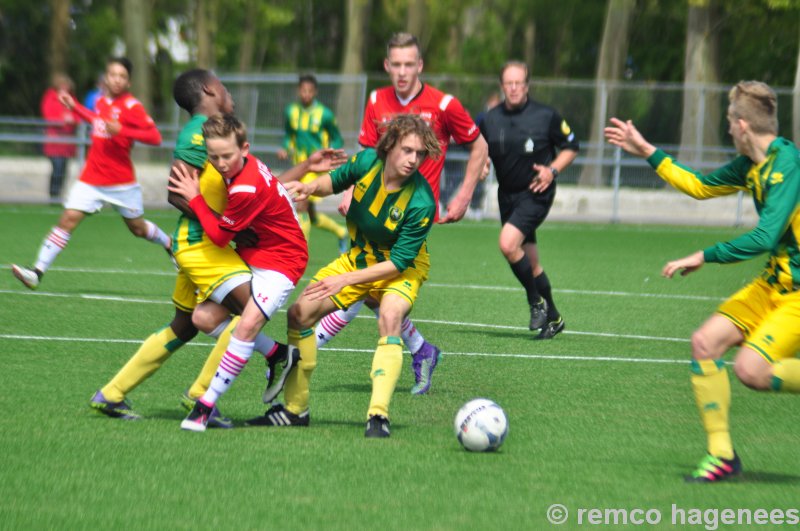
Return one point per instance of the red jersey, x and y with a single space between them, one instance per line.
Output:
54 111
258 201
443 112
109 160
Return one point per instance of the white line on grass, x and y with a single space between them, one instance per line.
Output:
558 357
462 324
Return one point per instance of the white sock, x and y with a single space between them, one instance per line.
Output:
411 336
52 245
231 364
333 323
156 235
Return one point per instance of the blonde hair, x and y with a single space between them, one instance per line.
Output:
403 125
223 126
755 103
403 40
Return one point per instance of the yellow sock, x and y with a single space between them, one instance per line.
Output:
786 375
296 390
325 222
151 355
712 390
305 224
386 366
200 385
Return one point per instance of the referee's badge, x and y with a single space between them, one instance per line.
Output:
395 214
529 146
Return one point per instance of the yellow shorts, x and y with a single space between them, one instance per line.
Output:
204 267
307 178
770 321
407 284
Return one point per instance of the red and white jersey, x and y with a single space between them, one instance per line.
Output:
443 112
109 160
258 201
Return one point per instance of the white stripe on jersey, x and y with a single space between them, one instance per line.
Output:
373 96
244 188
445 102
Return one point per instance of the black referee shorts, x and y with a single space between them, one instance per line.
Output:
525 210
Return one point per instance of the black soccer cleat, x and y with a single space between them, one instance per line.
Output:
712 469
279 366
279 416
377 427
538 315
552 328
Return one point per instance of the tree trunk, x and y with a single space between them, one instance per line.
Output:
136 17
248 46
348 111
205 24
610 65
529 38
417 22
59 36
701 111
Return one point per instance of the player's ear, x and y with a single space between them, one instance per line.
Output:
246 149
386 65
419 69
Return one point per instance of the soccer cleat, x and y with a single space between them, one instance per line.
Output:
424 362
344 244
377 427
116 410
712 469
29 277
216 420
279 366
538 315
197 420
552 328
278 415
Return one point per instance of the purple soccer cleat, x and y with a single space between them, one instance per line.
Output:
424 363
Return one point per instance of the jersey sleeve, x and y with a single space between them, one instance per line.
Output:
191 150
368 135
288 133
414 231
561 134
726 180
348 173
460 124
138 125
213 227
781 192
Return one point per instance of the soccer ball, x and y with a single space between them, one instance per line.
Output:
481 425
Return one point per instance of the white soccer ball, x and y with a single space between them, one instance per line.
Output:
481 425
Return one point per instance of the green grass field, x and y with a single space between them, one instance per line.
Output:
601 417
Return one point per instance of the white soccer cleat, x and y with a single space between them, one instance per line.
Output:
26 276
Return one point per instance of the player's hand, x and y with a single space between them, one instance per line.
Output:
344 204
456 209
543 179
184 181
328 286
325 160
66 99
113 127
246 238
283 154
298 191
686 265
626 136
486 170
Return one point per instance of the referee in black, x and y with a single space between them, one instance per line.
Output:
529 145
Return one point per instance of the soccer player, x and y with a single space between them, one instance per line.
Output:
763 318
529 144
108 175
258 201
61 124
448 118
389 218
209 275
311 126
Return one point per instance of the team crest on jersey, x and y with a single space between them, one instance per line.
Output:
197 139
565 128
529 146
395 214
775 178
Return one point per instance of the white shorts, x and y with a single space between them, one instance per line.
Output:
126 199
270 290
222 291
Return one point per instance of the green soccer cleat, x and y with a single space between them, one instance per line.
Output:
712 469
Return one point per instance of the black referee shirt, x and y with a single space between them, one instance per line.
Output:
522 137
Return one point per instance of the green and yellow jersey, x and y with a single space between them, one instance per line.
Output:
309 129
775 187
190 147
385 225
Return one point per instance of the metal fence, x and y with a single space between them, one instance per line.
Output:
261 98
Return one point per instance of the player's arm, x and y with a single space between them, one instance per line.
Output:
334 135
322 186
138 125
476 164
332 285
563 139
321 161
288 134
69 102
175 199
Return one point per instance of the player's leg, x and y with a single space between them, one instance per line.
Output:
333 323
128 202
325 222
55 242
555 323
142 228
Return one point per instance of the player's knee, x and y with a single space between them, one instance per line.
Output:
753 376
298 318
183 328
138 229
390 321
204 322
509 250
701 348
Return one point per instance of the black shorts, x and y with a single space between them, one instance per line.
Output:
525 210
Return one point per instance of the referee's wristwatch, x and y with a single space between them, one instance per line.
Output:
554 171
